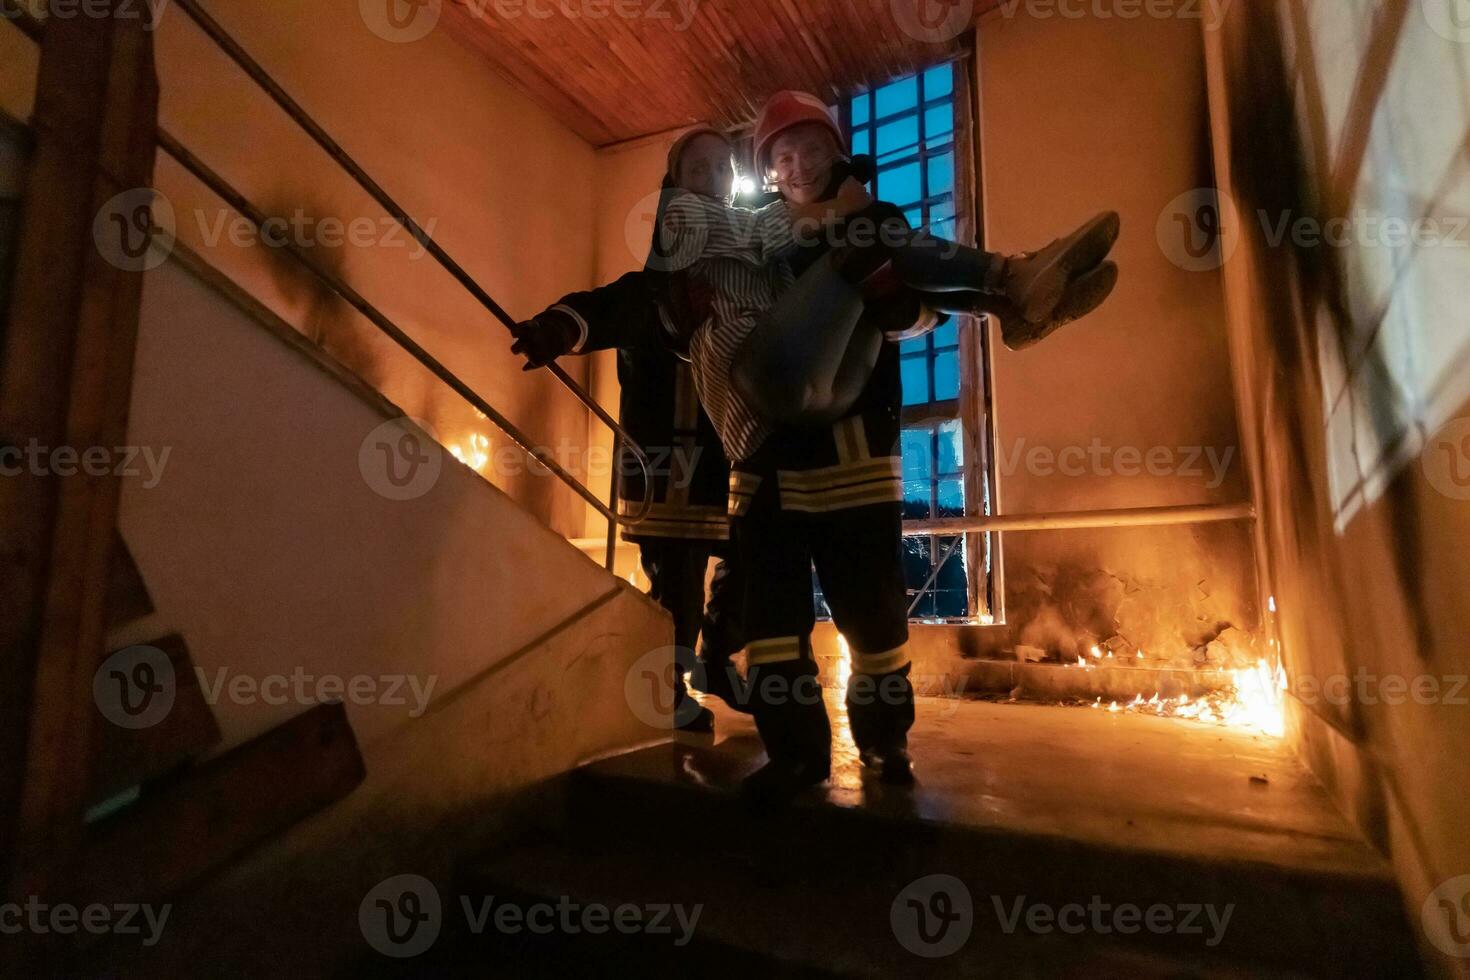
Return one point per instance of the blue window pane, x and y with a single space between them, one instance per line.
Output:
915 381
947 335
860 110
938 81
898 137
916 346
900 185
941 211
860 141
943 229
951 497
951 448
901 95
939 123
915 216
946 376
916 450
941 174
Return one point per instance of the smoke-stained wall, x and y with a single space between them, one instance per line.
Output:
1332 121
1131 407
496 179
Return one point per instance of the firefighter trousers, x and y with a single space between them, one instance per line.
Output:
676 568
857 554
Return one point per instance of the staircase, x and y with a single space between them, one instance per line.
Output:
1032 808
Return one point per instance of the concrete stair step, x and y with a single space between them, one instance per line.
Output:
1030 807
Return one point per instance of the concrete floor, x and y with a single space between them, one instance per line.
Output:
1162 784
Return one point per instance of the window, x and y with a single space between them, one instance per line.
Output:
909 126
1393 367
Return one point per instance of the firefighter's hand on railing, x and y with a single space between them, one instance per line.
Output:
544 338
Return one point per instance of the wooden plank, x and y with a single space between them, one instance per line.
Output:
127 594
213 813
615 78
126 757
65 380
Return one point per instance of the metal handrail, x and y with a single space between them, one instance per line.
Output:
399 213
34 29
1065 521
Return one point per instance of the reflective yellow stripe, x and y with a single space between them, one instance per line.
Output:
742 492
843 474
743 482
856 484
845 500
775 651
881 663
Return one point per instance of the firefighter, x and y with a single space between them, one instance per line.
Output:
829 495
688 523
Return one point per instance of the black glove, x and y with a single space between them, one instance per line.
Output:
861 168
544 338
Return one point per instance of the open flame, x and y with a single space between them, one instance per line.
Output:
1253 702
473 451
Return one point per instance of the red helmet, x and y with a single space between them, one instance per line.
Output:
784 110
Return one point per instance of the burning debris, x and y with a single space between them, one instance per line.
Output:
1254 701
